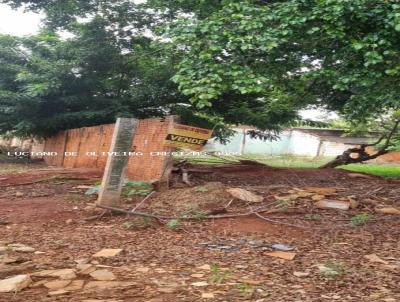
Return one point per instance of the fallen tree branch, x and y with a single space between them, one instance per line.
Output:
280 222
144 199
160 217
257 213
346 157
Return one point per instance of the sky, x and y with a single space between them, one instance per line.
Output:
18 22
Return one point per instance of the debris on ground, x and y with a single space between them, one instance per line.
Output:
298 253
14 284
236 245
390 211
282 255
108 253
333 204
244 195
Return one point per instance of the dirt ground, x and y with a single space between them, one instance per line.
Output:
324 254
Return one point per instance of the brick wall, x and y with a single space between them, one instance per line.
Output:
149 138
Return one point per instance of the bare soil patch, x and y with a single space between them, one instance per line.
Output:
206 260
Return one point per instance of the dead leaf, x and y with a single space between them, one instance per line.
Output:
200 284
317 197
207 295
359 175
244 195
107 253
390 211
57 284
15 284
353 203
75 285
58 292
143 269
304 193
375 258
101 285
322 191
206 267
333 204
103 275
282 255
64 274
301 274
85 269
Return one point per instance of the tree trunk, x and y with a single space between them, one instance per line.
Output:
347 158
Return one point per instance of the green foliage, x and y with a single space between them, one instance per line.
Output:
360 219
332 270
199 215
387 171
93 190
174 224
201 189
283 205
218 276
279 56
314 217
194 212
248 62
138 223
132 192
245 288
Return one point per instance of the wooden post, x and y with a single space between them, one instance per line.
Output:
111 184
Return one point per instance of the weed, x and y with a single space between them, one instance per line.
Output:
245 288
93 190
314 217
143 192
332 270
217 275
74 197
139 223
360 219
192 207
192 210
201 189
174 224
283 205
200 215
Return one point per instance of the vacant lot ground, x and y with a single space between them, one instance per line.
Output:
323 254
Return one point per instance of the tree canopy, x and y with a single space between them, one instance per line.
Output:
251 62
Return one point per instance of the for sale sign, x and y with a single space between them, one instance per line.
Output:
188 137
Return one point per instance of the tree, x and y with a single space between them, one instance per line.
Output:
258 62
389 127
342 55
102 72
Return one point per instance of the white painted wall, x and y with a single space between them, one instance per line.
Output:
291 142
333 148
303 144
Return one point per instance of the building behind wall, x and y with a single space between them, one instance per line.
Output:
296 141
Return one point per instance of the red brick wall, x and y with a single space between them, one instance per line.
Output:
149 138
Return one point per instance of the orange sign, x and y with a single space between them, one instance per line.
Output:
188 137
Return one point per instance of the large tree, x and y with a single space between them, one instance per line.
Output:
253 62
340 54
107 67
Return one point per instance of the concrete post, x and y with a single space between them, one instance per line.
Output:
111 184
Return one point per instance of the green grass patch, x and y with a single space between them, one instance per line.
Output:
303 162
387 171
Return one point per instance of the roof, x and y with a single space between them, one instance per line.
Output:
339 136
